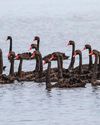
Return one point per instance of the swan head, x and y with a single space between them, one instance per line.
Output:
71 42
9 38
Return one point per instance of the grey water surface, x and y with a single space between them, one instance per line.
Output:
56 22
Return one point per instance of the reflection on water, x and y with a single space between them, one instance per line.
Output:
55 22
31 104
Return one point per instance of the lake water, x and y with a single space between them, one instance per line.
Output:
56 22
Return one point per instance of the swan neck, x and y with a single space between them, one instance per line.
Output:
72 58
20 68
37 64
1 63
11 67
38 44
48 81
40 65
90 59
10 47
95 67
80 62
60 73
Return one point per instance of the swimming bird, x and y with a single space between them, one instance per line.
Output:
88 66
79 68
54 71
79 71
94 80
11 56
62 83
39 65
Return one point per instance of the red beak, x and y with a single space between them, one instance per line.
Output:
74 54
33 55
17 57
44 62
91 53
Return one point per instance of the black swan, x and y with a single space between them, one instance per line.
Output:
98 63
72 43
94 80
46 58
78 52
79 71
39 65
40 75
53 57
81 66
38 56
11 56
62 83
90 65
48 79
54 71
28 55
34 75
36 47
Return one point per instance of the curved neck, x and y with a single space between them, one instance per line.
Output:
48 82
40 65
37 64
80 62
71 66
61 61
60 73
96 60
20 67
38 44
90 58
11 67
1 63
95 67
10 47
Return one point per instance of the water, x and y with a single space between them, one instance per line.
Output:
55 22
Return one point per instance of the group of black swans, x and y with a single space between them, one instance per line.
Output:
53 77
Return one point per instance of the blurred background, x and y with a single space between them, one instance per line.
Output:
55 22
